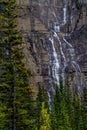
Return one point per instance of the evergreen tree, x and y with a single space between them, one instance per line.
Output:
84 108
60 119
41 97
3 117
78 121
69 102
55 109
16 93
44 118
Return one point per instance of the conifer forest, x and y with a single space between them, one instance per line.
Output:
43 64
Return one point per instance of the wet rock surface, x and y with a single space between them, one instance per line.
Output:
38 48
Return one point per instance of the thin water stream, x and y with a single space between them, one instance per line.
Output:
53 56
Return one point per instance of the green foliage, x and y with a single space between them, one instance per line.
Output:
60 118
16 92
3 117
18 110
84 108
41 97
44 118
78 122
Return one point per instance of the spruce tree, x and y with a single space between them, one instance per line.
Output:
16 93
84 108
78 121
41 97
60 119
44 118
69 102
55 109
3 117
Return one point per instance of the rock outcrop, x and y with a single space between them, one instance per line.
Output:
36 24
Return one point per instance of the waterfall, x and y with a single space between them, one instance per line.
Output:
70 49
57 23
49 99
65 13
53 67
72 54
74 63
55 63
62 54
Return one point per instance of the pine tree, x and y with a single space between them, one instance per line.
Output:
60 119
3 117
41 97
84 108
16 93
69 102
78 121
44 118
55 109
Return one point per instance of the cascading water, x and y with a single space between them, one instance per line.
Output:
65 13
53 69
53 66
62 54
58 23
74 63
55 63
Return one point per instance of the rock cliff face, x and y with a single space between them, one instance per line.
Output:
64 23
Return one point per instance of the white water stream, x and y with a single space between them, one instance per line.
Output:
65 14
54 58
62 54
74 63
55 63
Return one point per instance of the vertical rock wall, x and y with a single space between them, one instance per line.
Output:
36 22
